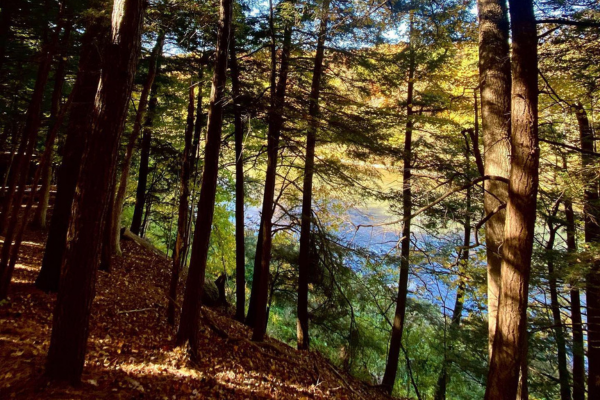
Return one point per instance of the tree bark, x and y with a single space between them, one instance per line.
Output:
591 211
240 253
181 241
495 86
33 117
70 325
274 131
12 205
442 383
39 219
190 313
256 276
563 371
395 345
577 327
106 245
140 197
511 329
88 76
10 253
135 133
303 339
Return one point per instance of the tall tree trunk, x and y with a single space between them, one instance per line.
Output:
135 133
79 124
577 327
256 274
303 339
440 392
190 313
10 253
563 371
32 124
70 325
494 77
107 248
140 196
240 254
12 205
181 240
274 131
511 329
395 346
591 211
39 219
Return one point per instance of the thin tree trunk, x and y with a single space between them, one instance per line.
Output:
563 371
70 325
577 328
303 339
511 330
256 274
12 206
190 313
240 253
79 124
181 240
140 197
135 133
10 253
494 75
30 133
440 393
39 219
107 249
591 211
146 220
395 345
274 131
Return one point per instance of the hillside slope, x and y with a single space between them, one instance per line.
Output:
131 353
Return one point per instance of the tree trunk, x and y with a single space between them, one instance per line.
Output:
274 131
563 371
256 276
591 211
12 206
77 287
10 253
140 197
39 219
395 346
146 220
240 254
107 249
303 339
135 133
181 240
577 328
440 392
32 124
494 75
79 124
190 321
511 329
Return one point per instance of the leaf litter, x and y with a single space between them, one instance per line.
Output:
131 353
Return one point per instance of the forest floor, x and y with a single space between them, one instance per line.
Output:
130 349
